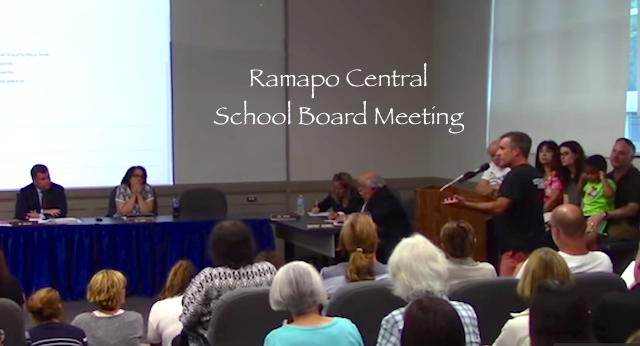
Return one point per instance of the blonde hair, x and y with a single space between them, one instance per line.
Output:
359 236
104 288
178 279
457 239
634 338
45 305
543 264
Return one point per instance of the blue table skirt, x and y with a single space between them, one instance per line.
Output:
65 257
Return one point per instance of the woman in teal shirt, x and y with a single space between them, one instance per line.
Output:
297 288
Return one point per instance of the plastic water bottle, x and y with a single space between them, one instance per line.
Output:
300 205
176 207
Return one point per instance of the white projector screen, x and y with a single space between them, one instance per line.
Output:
85 88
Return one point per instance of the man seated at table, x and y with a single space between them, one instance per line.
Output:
385 210
41 197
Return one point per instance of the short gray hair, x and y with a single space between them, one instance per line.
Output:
418 268
376 181
297 288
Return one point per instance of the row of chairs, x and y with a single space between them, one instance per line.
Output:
243 317
194 203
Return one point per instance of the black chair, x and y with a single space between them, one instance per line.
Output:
365 303
243 317
112 209
202 203
493 300
592 286
12 323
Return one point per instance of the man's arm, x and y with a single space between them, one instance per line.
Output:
484 187
496 207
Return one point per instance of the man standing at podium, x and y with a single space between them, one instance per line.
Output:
519 207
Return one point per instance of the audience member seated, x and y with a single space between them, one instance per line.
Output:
599 193
387 212
623 221
559 315
45 309
359 238
548 164
458 241
568 231
297 288
232 250
617 314
164 318
274 257
418 269
491 179
109 325
134 196
41 198
544 264
10 287
344 197
572 158
431 321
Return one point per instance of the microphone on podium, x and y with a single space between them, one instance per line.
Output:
464 177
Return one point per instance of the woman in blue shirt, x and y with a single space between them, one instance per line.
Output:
297 288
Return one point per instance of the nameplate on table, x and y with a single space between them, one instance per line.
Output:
141 219
323 225
284 217
22 223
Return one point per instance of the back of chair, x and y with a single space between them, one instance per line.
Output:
202 203
493 300
593 286
244 317
112 209
12 323
365 303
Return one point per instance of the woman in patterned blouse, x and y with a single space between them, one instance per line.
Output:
232 251
134 195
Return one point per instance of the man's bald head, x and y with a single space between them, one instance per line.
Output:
569 220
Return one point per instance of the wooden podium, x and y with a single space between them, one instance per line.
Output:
431 215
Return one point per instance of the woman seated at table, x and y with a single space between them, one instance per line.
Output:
358 238
109 324
134 196
45 308
344 197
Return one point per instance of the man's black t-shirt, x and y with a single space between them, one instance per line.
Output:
521 227
628 191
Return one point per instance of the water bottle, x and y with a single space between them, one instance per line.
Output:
300 205
176 207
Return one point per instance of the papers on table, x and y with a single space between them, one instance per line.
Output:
325 214
61 221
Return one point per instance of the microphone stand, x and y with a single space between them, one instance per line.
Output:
453 182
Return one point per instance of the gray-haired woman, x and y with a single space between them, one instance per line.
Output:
297 288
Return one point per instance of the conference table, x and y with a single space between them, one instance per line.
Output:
66 256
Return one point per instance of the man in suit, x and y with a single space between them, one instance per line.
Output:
41 197
386 211
617 315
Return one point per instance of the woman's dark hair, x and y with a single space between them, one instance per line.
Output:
556 164
130 172
4 270
431 321
558 314
577 150
346 181
231 245
597 162
178 279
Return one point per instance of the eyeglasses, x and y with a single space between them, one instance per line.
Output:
138 176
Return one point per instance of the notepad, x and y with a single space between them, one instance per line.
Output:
325 214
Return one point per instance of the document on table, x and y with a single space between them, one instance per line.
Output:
61 221
325 214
